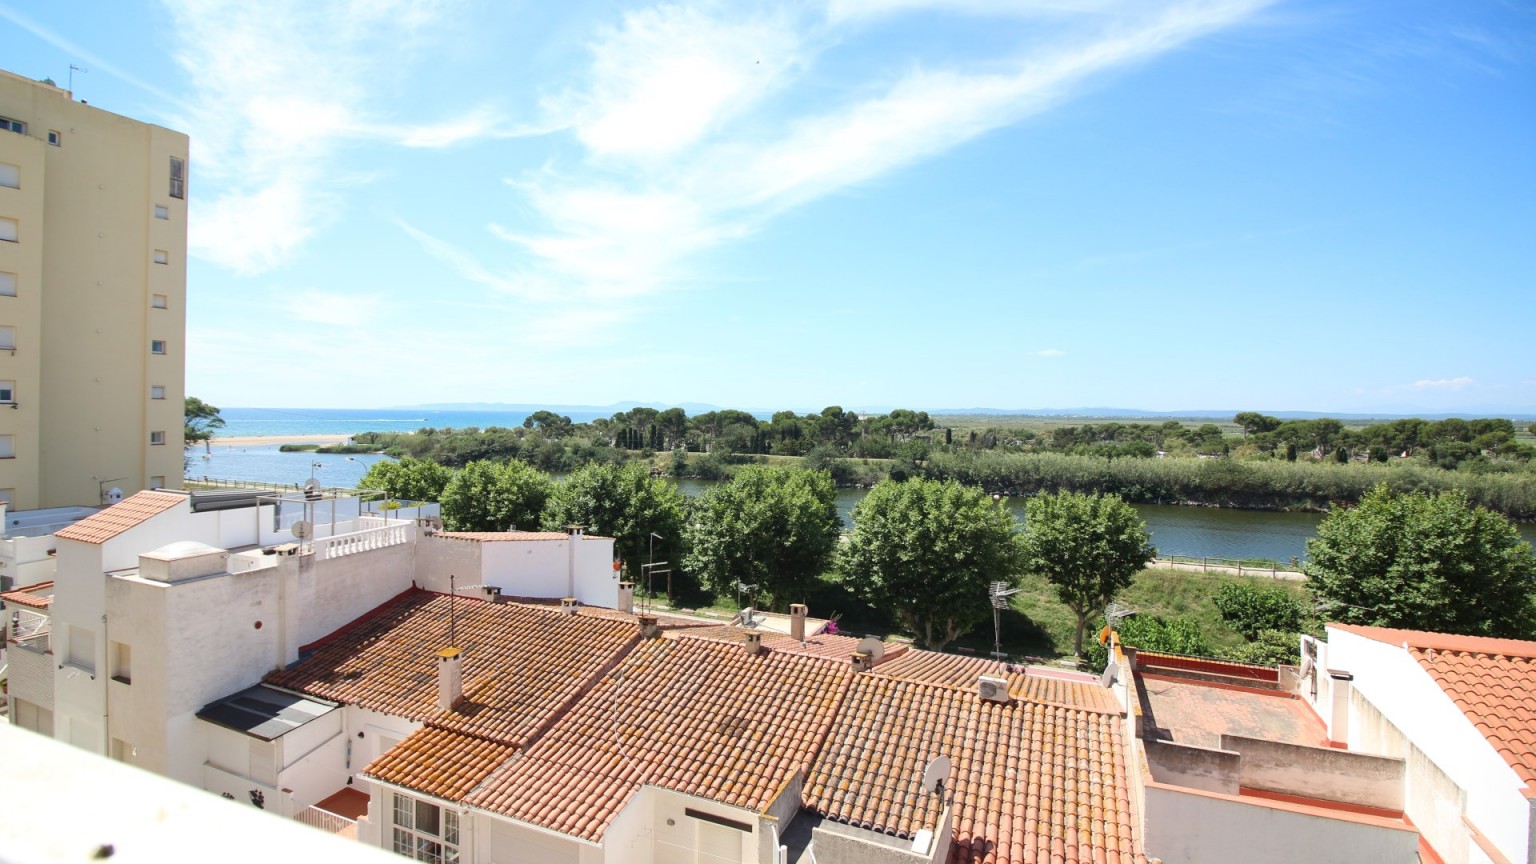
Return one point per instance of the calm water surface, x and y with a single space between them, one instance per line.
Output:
1195 531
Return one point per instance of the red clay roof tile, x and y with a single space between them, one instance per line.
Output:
1490 680
960 671
129 513
39 596
439 762
696 716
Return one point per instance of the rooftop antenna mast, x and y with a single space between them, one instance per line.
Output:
998 593
72 70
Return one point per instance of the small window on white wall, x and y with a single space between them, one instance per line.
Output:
157 481
162 256
55 138
82 648
7 284
7 338
158 301
157 346
157 391
7 446
157 437
161 212
8 230
10 175
7 392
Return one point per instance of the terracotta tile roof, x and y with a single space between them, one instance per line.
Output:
129 513
1493 682
39 596
698 716
1060 688
825 646
1030 781
439 762
522 664
504 536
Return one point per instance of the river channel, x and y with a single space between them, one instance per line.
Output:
1207 532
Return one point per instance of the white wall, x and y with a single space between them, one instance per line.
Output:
1196 828
528 568
1395 684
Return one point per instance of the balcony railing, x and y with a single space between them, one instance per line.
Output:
328 822
363 541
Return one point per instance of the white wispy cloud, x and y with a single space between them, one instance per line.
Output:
693 137
75 50
1048 352
1444 383
279 88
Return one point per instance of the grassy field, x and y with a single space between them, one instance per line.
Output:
1038 624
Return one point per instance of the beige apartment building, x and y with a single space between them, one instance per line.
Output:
93 287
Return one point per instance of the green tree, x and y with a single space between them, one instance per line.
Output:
623 502
495 496
1425 563
769 526
408 479
929 550
201 420
1250 610
1088 546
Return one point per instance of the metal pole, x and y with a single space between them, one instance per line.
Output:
453 594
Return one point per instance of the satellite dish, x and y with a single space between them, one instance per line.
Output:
1110 671
873 647
936 774
301 529
1306 667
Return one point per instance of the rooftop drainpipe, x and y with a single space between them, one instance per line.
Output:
450 677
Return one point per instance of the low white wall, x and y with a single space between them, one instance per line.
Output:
1194 828
1318 772
1194 767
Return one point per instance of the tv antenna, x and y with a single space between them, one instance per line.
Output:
998 593
72 70
750 589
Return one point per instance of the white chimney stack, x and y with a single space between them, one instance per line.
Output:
568 605
649 628
450 677
627 597
754 642
797 616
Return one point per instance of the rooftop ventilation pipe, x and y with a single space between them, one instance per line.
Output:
754 642
568 605
627 597
649 629
797 615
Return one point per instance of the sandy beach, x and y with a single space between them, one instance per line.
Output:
249 441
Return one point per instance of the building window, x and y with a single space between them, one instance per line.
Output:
162 256
157 437
8 496
178 178
157 346
13 125
425 831
157 481
8 230
157 391
158 301
10 175
162 212
7 392
7 446
122 662
7 284
7 338
55 138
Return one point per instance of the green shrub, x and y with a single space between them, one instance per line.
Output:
1251 610
1269 648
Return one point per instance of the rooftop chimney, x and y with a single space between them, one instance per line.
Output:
862 661
797 614
450 677
492 593
649 629
754 642
568 605
626 597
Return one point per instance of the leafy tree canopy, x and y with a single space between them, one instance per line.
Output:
408 479
1088 546
773 527
1424 563
625 503
1251 610
929 550
495 496
201 419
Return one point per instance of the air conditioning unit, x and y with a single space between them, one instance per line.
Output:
994 689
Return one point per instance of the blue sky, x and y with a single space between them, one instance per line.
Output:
928 203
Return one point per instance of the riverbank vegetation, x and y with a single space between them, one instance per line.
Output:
1255 461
